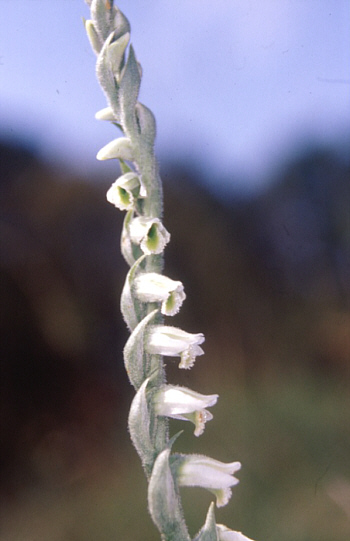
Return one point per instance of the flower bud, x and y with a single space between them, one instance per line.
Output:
115 52
150 234
184 404
118 148
153 287
94 39
174 342
106 114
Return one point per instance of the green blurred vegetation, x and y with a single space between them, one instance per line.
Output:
269 289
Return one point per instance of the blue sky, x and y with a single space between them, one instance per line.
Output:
235 84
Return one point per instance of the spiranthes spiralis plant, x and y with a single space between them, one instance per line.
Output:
149 297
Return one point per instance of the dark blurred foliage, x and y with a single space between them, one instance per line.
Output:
267 281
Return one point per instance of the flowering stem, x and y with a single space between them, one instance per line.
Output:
148 296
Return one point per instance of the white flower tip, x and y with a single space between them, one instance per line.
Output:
105 114
119 148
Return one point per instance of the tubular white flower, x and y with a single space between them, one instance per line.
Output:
184 404
153 287
105 114
225 534
124 191
215 476
174 342
118 148
150 234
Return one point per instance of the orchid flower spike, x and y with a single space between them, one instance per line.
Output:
184 404
215 476
150 234
225 534
153 287
174 342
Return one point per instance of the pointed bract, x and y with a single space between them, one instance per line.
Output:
139 428
209 531
163 500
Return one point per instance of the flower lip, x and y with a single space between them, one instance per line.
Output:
150 234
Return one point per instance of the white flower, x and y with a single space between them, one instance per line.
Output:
124 190
184 404
174 342
215 476
150 234
106 114
118 148
153 287
225 534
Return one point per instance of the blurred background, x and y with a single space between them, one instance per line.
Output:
253 108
